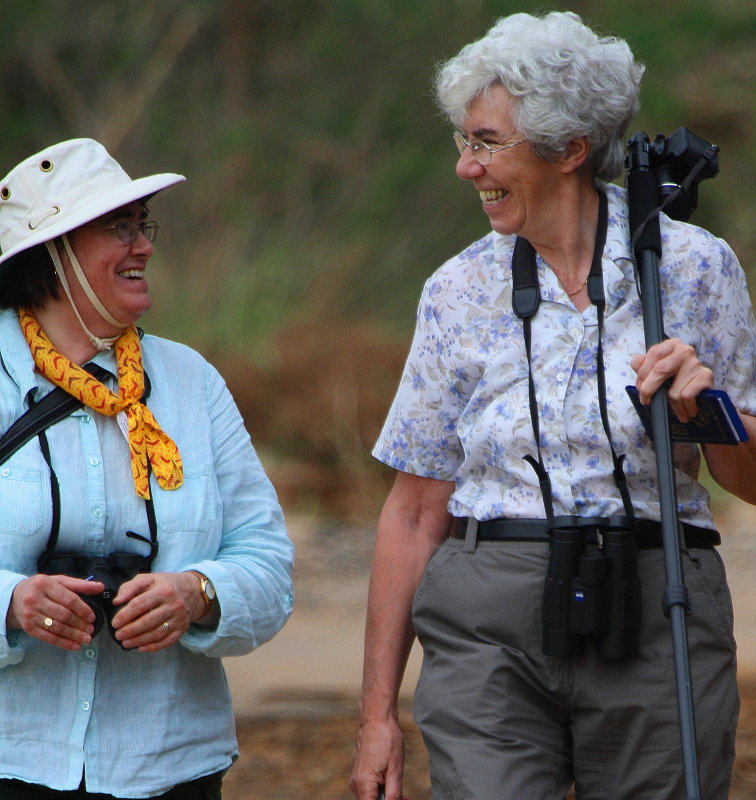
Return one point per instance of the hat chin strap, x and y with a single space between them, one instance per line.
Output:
100 344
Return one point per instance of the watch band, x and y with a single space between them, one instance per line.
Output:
207 599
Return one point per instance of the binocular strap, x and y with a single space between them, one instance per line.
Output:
525 301
52 540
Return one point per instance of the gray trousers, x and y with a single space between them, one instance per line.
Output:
501 721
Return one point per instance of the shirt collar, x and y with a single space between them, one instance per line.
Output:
617 246
16 357
619 271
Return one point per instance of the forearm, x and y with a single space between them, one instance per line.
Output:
253 601
388 631
734 467
413 523
251 571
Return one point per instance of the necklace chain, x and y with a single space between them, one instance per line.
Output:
572 294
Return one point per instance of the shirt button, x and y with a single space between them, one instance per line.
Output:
94 461
90 652
6 472
85 706
560 377
85 418
98 512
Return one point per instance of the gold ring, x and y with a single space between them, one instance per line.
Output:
48 622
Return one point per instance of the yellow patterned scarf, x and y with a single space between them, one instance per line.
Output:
146 438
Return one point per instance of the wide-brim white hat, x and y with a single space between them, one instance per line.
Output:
65 186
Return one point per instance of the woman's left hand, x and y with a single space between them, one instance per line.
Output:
156 609
674 361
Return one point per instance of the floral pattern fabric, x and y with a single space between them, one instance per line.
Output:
461 411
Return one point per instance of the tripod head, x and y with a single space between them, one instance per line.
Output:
680 162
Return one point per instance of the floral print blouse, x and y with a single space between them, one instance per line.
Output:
461 411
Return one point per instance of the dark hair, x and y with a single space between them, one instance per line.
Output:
28 279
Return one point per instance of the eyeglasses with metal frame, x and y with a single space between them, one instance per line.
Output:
480 151
128 230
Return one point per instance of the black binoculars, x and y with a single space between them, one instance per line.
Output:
592 592
112 571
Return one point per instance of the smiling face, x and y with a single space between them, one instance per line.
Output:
113 268
518 189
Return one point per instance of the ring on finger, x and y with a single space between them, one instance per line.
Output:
166 625
48 622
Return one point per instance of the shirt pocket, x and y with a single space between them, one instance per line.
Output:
190 508
21 500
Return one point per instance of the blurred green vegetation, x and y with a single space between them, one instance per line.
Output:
321 187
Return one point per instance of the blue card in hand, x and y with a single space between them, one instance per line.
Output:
717 421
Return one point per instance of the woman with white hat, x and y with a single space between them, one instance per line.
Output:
140 539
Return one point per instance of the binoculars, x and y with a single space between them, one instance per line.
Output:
112 571
592 592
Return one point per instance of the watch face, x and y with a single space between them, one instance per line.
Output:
209 590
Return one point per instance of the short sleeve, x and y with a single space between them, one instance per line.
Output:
727 342
420 432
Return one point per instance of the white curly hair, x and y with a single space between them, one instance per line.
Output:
566 82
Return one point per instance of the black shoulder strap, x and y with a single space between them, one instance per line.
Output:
53 407
526 296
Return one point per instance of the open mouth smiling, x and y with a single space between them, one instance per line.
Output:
132 274
492 195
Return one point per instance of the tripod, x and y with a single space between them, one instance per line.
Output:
651 169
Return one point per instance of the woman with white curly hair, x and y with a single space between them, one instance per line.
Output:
522 465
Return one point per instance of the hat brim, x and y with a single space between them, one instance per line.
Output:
96 206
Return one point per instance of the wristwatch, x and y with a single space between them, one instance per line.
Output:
207 591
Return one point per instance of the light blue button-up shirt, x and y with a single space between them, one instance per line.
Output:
135 723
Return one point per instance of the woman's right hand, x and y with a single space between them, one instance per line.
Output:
379 760
53 599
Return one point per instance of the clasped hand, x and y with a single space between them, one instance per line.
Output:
155 609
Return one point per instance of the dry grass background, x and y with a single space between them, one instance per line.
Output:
314 410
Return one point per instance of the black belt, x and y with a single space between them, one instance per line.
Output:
649 534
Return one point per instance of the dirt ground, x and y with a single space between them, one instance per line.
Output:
295 698
302 757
